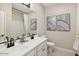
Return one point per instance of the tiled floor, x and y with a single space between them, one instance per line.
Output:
59 52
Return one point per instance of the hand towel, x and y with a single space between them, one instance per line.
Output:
76 43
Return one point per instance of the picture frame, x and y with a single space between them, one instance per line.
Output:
33 24
63 22
58 22
51 23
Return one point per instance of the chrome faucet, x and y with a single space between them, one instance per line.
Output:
10 42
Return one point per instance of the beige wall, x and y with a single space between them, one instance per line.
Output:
63 39
17 23
39 11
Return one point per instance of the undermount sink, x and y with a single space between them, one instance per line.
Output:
26 40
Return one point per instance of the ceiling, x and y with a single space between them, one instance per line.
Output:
49 4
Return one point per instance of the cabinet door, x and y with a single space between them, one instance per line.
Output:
42 51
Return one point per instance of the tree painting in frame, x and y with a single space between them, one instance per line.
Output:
63 22
33 24
51 23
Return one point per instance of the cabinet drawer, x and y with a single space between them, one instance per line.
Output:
31 53
42 45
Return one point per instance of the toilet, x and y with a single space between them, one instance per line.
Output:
50 47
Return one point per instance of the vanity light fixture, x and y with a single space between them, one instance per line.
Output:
26 4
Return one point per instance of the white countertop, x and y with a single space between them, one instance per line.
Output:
21 49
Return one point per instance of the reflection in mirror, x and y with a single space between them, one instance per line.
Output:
17 15
33 22
20 21
26 23
17 23
2 26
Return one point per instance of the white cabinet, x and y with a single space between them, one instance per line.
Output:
40 50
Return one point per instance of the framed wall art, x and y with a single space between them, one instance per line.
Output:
63 22
33 24
58 22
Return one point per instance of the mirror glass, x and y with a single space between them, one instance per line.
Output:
24 21
33 22
20 20
2 25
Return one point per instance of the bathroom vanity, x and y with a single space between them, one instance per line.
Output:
35 47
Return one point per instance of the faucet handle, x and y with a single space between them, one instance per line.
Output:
11 39
7 38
